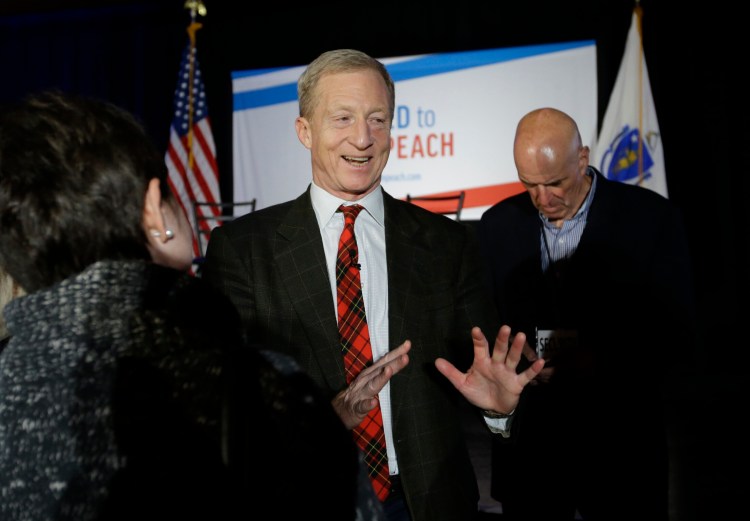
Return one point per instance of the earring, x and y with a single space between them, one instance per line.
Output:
169 234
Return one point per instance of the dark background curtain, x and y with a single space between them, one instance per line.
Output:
129 53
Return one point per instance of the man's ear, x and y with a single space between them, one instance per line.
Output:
153 219
303 131
583 159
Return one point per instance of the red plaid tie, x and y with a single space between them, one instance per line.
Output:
355 346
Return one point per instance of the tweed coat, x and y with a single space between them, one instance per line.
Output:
126 392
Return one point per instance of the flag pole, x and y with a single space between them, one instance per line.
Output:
629 146
196 7
639 18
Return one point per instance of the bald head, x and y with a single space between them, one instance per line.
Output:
546 137
552 163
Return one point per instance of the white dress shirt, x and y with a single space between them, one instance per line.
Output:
369 230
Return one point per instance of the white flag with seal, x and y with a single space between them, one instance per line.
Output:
629 148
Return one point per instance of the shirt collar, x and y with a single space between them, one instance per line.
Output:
326 205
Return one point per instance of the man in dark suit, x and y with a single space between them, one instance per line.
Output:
422 288
597 273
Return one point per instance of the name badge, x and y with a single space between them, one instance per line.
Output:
550 342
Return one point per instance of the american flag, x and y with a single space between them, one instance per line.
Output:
191 155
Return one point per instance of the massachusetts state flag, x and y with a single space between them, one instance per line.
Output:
191 155
629 148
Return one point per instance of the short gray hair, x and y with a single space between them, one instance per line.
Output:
336 61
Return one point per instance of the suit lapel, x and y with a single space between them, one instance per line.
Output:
408 253
527 235
299 255
600 213
405 253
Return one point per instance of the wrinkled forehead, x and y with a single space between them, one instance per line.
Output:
362 88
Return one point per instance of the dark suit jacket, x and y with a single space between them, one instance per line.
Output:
627 291
271 264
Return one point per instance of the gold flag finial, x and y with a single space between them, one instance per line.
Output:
196 7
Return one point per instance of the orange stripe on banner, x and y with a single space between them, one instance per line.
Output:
489 195
475 197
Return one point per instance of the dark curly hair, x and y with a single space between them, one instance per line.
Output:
70 171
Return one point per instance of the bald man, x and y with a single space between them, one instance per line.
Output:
597 274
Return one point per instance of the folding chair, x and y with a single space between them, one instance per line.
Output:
448 205
209 215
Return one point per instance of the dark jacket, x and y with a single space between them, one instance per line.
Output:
271 264
127 392
627 293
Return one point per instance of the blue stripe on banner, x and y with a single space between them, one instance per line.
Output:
456 61
263 97
255 72
429 65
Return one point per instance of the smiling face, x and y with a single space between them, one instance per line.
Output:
348 133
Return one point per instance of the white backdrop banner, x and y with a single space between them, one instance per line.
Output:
453 128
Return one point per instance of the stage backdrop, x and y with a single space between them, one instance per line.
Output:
453 129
